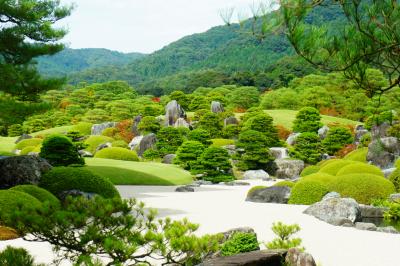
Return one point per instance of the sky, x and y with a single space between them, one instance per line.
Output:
142 25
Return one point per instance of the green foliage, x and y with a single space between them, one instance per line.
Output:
240 242
119 226
84 128
59 150
16 256
15 130
94 141
149 124
360 168
307 192
284 239
359 155
312 169
117 153
188 153
366 140
231 131
254 189
219 178
244 97
214 162
39 193
211 122
307 119
200 135
323 178
151 154
308 148
362 187
61 179
393 213
120 144
394 130
28 143
332 167
109 132
27 150
395 179
168 140
284 184
263 123
336 139
222 142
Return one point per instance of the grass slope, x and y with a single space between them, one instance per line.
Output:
139 173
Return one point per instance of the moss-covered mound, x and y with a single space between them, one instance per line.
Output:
360 168
312 169
94 141
333 168
61 179
39 193
117 153
395 179
307 192
254 189
326 162
27 143
364 188
359 155
27 150
323 178
284 184
12 200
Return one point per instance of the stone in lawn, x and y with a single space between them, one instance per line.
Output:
103 146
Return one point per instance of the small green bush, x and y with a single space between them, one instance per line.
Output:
59 150
308 148
109 132
120 144
395 179
39 193
15 130
11 200
285 184
200 135
336 139
323 178
393 213
284 238
308 119
27 143
219 178
94 141
222 142
359 155
334 167
307 192
61 179
27 150
188 153
312 169
117 153
84 128
240 242
364 188
360 168
254 189
151 154
16 257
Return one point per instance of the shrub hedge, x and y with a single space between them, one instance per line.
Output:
61 179
11 200
310 170
360 168
117 153
27 143
94 141
334 167
307 192
39 193
359 155
395 179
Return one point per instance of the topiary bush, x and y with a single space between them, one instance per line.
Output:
264 123
308 148
120 144
148 124
117 153
94 141
109 132
307 192
395 179
61 179
169 139
308 119
28 143
39 193
364 188
336 139
312 169
27 150
332 168
59 150
323 178
188 153
15 130
240 242
84 128
359 155
284 184
11 200
200 135
360 168
254 189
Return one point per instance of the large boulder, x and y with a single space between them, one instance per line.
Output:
21 170
97 129
332 209
136 121
288 169
169 158
216 107
279 152
147 142
230 121
296 257
359 133
383 152
323 132
184 189
291 140
270 195
254 258
104 146
135 142
256 174
173 111
23 137
380 131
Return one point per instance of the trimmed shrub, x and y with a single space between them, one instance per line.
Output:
188 153
307 192
395 179
366 140
15 130
222 142
59 150
39 193
332 168
151 154
364 188
360 168
308 119
323 178
148 124
214 161
308 148
117 153
264 123
27 150
359 155
120 144
109 132
11 200
28 143
94 141
169 139
284 184
219 178
254 189
200 135
61 179
312 169
240 242
336 139
212 123
16 257
84 128
231 131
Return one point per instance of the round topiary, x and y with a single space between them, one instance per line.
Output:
61 179
11 200
308 148
93 142
336 139
254 189
326 162
39 193
120 144
27 150
360 168
395 179
308 119
27 143
84 128
307 192
359 155
310 170
334 167
323 178
109 132
364 188
59 150
117 153
284 184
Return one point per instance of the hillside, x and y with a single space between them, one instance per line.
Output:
69 60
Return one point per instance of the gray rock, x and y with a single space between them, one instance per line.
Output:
340 221
255 174
360 132
203 182
291 140
254 258
216 107
84 153
391 144
75 193
230 121
20 170
388 229
394 197
388 172
380 131
330 209
230 148
323 132
169 158
296 257
181 122
103 146
270 195
148 142
184 189
383 152
97 129
347 225
173 111
288 169
236 183
279 152
23 137
331 195
366 226
368 211
33 153
136 121
135 142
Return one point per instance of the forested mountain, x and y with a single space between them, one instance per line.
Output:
73 60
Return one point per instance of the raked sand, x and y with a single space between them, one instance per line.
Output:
220 208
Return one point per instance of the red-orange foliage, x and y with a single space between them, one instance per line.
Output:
155 99
345 150
239 110
124 129
283 132
329 111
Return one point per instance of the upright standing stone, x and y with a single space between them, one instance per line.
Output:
216 107
136 121
173 111
147 142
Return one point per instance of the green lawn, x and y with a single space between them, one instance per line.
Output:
139 173
7 144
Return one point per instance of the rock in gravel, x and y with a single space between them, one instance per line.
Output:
366 226
184 189
270 195
296 257
255 174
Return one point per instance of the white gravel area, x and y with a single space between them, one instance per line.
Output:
219 208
